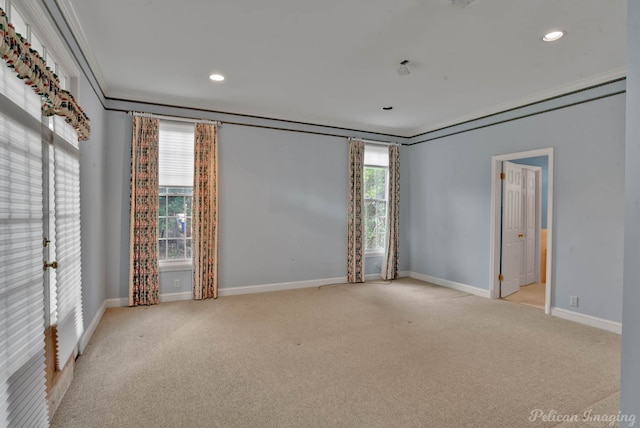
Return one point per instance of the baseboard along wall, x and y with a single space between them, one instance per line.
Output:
589 320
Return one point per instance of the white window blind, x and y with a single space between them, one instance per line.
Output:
21 95
22 382
65 131
175 156
67 230
376 155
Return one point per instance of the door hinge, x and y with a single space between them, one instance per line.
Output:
502 176
500 277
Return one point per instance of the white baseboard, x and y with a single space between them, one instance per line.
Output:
88 333
377 277
118 302
250 289
612 326
176 297
450 284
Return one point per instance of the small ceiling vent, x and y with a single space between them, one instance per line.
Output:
461 3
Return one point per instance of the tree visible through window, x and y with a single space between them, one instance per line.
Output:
375 202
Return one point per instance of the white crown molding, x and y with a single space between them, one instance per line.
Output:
537 97
71 16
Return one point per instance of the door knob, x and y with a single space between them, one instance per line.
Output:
50 265
520 235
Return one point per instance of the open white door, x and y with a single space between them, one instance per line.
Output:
512 228
530 211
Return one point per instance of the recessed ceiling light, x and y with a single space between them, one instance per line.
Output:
217 77
387 108
553 36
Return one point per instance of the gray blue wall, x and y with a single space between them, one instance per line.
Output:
450 189
92 170
282 202
630 378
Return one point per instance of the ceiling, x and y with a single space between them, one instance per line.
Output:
333 62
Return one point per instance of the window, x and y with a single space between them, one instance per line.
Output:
376 172
40 201
174 229
175 192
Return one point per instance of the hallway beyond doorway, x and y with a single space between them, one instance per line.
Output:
530 295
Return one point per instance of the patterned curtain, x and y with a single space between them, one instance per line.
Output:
355 226
390 265
205 212
143 250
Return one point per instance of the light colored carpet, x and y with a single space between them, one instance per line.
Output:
407 354
531 295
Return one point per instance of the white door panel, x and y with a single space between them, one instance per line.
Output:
512 229
530 226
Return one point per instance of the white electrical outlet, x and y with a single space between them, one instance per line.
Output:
573 300
176 283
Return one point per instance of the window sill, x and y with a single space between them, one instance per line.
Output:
373 254
174 266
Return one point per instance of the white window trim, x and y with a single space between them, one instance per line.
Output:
175 266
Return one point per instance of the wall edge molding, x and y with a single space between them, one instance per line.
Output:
450 284
590 320
88 333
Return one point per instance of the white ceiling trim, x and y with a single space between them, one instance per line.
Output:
198 104
540 96
71 16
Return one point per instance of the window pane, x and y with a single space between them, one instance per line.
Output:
163 206
381 184
188 248
162 227
175 249
188 231
188 204
36 44
176 205
62 77
369 182
162 246
18 22
51 63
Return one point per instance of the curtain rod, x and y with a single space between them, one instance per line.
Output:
174 118
379 143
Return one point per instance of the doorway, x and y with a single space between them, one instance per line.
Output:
519 269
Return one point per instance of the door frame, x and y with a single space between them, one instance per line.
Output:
496 212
